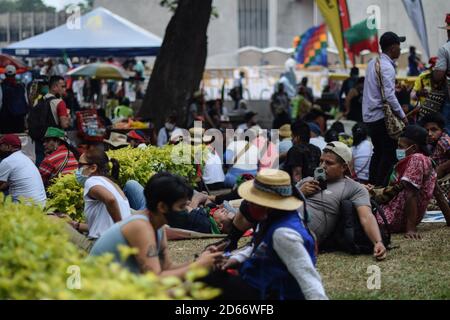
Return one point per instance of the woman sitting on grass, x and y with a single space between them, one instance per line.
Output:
104 201
416 178
165 194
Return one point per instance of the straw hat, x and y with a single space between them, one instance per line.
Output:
285 131
271 188
117 139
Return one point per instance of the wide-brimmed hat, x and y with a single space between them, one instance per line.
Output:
285 131
271 188
447 21
117 140
55 133
10 70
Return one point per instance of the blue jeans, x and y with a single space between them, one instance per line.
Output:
135 194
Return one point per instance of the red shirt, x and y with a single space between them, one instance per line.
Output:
52 163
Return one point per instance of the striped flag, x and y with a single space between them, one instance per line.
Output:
311 47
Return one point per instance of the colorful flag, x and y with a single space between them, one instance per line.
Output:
331 13
346 24
414 9
311 47
360 37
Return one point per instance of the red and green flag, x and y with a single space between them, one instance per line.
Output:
362 36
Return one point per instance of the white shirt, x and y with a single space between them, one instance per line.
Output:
362 154
319 142
213 171
23 178
98 218
248 160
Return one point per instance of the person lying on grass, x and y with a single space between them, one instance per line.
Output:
280 263
164 194
323 206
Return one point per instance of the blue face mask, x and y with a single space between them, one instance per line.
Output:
401 153
81 179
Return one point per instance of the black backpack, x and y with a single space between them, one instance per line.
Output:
14 99
350 236
40 118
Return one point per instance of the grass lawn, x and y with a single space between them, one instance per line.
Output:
415 270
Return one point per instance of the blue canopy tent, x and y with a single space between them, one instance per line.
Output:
100 33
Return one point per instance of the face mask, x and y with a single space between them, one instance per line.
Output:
81 179
169 126
401 153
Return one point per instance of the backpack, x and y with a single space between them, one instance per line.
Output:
40 118
350 236
14 99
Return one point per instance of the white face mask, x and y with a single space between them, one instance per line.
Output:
169 126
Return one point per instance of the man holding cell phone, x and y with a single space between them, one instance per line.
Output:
326 191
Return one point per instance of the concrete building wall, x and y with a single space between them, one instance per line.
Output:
223 34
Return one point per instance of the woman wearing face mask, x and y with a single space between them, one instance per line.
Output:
166 131
104 201
165 194
415 174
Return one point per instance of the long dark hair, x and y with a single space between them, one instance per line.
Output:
100 158
360 134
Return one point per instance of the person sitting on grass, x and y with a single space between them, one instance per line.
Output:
323 206
164 194
280 263
415 176
104 201
59 157
438 141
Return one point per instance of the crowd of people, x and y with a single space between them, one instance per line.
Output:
292 196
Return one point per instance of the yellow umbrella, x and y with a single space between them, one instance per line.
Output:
99 71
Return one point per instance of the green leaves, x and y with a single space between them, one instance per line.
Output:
66 195
37 261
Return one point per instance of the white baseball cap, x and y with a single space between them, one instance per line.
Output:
10 70
342 150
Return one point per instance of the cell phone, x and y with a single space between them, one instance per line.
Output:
321 177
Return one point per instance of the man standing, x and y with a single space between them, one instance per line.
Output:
383 157
18 174
13 103
442 70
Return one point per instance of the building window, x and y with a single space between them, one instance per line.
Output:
253 23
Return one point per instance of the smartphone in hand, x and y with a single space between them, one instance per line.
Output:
321 177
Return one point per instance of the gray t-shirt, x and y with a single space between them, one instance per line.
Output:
443 63
323 207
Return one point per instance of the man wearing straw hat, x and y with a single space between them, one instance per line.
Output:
280 262
442 69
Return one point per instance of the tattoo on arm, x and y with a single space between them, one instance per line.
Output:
152 251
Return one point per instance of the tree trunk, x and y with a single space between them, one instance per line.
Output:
179 67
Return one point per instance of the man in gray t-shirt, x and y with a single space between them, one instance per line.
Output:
323 206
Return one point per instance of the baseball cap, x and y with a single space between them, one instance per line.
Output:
341 149
11 140
389 38
10 70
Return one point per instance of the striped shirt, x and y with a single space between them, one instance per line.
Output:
52 163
